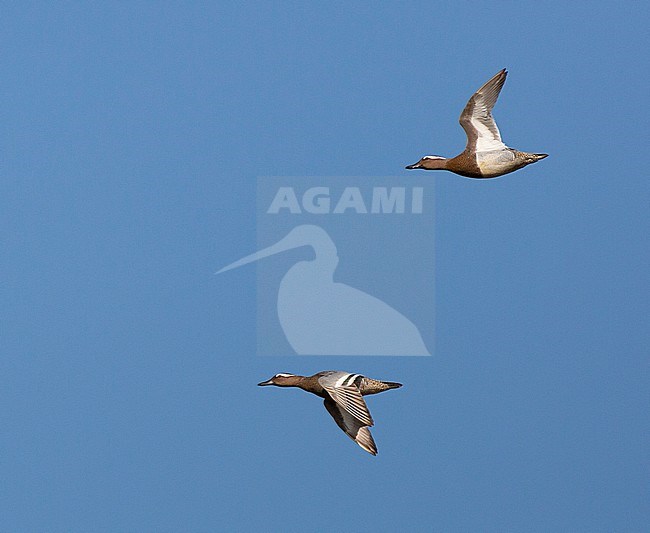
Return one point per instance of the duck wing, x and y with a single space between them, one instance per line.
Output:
352 427
343 389
476 119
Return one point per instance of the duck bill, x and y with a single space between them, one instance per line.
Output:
265 383
414 165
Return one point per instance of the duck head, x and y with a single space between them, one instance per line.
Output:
281 380
430 162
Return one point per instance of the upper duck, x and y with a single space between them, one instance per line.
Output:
485 155
343 393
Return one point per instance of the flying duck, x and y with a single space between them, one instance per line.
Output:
343 398
485 156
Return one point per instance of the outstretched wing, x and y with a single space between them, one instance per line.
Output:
476 119
352 427
342 388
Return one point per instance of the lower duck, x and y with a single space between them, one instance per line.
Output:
343 398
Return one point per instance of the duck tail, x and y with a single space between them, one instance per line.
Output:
392 384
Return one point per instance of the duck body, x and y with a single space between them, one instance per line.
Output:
343 398
485 156
314 384
496 163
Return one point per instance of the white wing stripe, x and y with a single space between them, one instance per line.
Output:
486 140
339 382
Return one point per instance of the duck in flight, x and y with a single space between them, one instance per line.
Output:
343 394
485 156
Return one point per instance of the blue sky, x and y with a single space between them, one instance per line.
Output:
132 136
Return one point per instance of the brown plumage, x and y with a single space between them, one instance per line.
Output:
485 155
343 398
